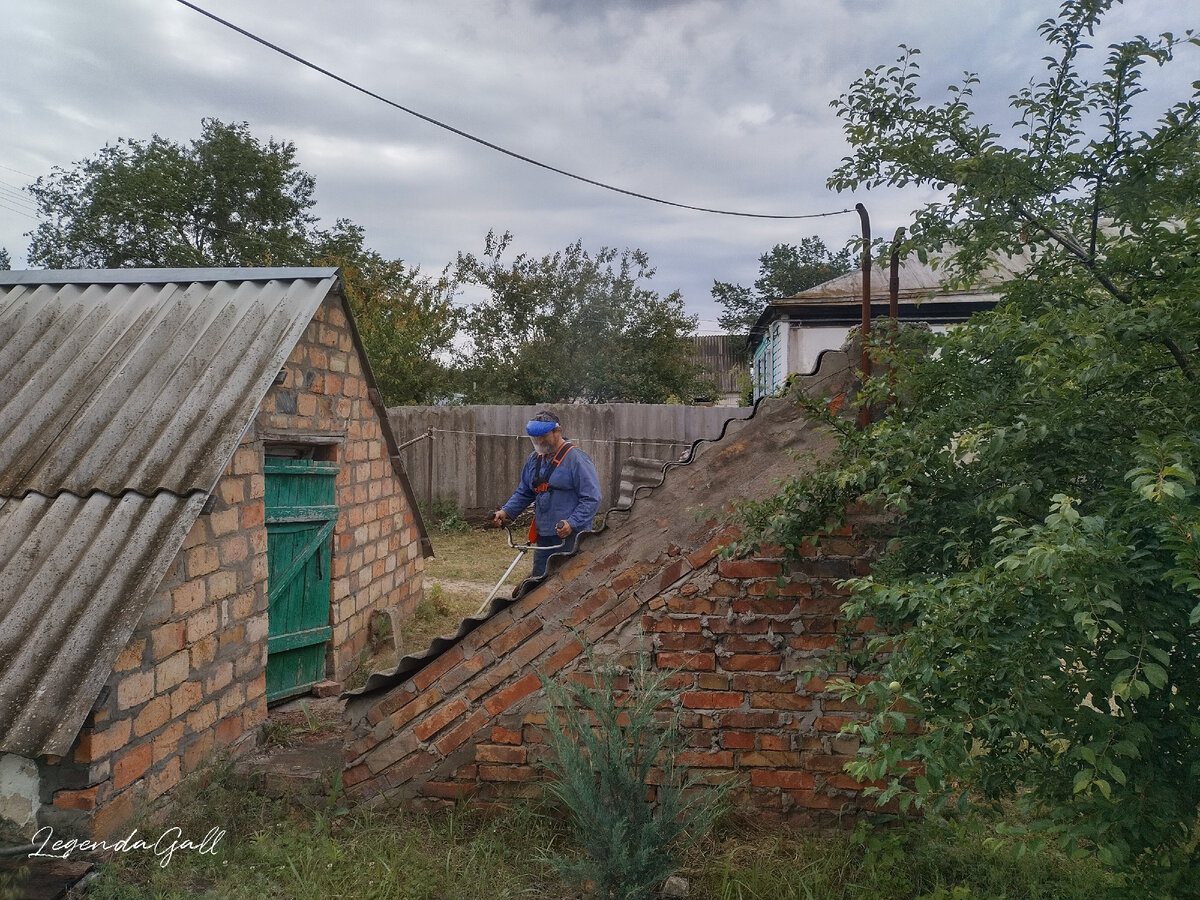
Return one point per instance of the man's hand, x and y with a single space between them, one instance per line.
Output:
497 519
563 529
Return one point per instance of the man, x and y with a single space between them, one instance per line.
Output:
560 481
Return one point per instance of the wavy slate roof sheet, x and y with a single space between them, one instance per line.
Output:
140 385
72 588
122 396
917 279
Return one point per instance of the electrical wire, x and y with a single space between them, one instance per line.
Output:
486 143
16 204
19 212
17 192
18 171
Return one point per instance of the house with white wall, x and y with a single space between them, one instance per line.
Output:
792 332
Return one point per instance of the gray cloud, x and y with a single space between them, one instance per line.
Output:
702 102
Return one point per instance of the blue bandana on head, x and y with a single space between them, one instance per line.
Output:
534 428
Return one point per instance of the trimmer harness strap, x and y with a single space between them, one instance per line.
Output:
541 481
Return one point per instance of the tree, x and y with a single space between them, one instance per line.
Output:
1039 599
784 270
5 260
226 199
407 321
574 326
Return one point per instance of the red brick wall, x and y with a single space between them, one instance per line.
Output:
469 724
377 562
192 678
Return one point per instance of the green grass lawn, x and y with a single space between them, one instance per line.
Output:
479 555
463 571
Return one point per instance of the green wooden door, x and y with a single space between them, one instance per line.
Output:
300 514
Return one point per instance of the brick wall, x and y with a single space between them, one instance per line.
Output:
469 723
191 680
377 562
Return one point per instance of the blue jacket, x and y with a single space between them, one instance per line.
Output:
573 493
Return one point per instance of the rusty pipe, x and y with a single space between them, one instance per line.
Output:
864 412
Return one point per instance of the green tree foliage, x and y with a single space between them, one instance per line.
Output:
225 199
229 199
1040 594
784 270
5 260
574 326
406 320
608 738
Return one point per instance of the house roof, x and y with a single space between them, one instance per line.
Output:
924 295
123 394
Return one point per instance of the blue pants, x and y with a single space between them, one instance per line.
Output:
540 556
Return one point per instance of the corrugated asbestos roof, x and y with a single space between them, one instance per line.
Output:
137 386
73 584
923 295
123 394
917 280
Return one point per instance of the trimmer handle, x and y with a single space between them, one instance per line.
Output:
528 546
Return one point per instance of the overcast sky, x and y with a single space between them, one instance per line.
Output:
700 102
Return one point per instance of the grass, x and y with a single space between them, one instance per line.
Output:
461 574
476 555
936 860
275 849
464 569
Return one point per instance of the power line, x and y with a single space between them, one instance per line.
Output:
20 212
14 194
18 171
478 140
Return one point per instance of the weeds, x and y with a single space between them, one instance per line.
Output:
920 860
433 605
12 883
445 516
311 722
276 733
275 850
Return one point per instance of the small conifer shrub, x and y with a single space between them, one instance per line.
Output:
613 737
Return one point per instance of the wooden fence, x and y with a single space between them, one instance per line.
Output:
473 454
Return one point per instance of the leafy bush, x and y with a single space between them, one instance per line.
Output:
609 741
1040 599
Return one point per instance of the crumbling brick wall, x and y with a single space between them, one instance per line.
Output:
191 680
741 633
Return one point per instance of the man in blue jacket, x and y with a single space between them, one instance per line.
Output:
560 481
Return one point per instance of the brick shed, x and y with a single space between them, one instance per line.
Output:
203 511
463 720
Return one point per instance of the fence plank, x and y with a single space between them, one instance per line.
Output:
477 451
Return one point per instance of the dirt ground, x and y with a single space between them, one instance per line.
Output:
301 742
